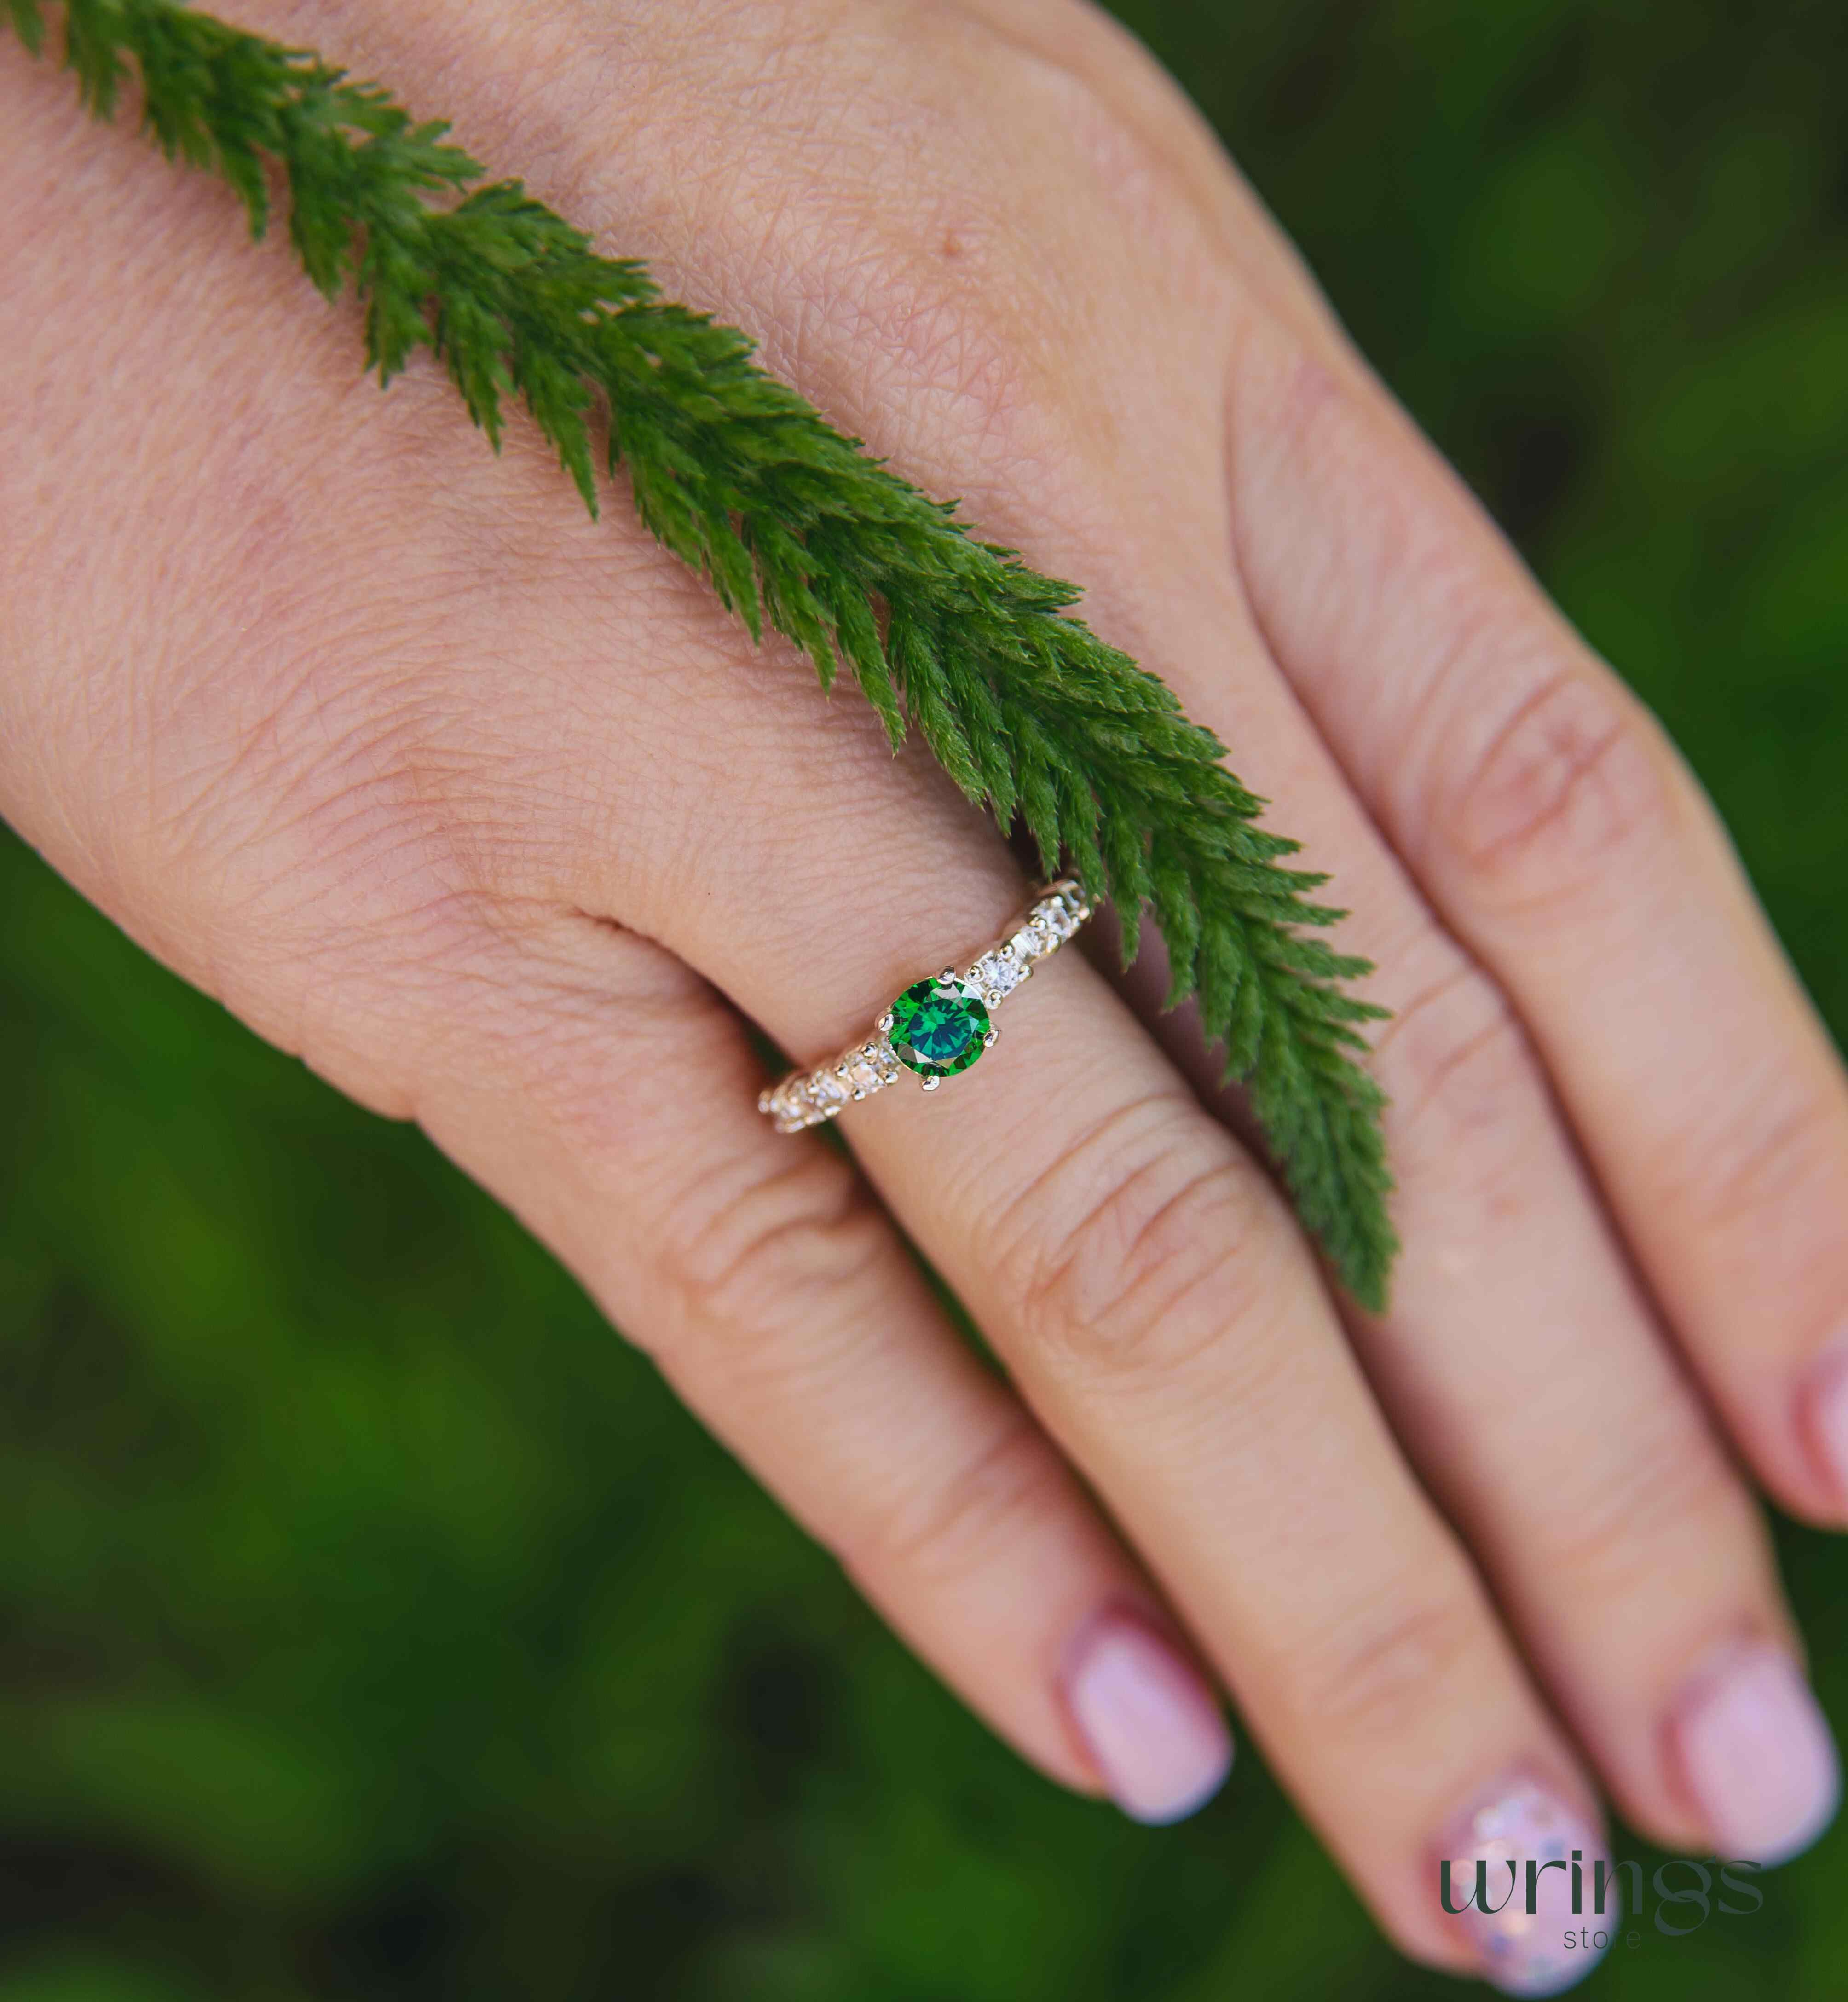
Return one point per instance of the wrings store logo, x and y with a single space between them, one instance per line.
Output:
1682 1905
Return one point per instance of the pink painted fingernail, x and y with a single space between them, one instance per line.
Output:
1758 1755
1827 1401
1153 1727
1525 1844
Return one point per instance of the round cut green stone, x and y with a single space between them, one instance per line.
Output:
939 1028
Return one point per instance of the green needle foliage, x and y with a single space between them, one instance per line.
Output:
1026 707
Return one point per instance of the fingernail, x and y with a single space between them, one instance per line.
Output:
1519 1831
1153 1728
1758 1755
1828 1420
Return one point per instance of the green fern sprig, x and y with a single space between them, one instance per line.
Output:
1027 709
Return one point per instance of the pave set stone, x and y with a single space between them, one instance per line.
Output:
938 1027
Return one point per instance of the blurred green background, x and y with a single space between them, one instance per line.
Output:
372 1623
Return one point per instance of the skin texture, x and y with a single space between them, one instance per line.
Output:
491 815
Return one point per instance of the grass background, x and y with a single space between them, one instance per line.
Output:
373 1625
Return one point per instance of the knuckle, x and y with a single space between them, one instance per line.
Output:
1571 782
768 1246
1135 1250
1369 1679
1769 1149
1667 1485
976 1516
1457 1057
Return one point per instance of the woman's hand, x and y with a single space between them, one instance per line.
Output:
495 818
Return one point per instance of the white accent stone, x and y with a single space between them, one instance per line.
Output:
997 974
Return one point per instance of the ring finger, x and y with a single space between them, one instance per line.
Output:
1158 1310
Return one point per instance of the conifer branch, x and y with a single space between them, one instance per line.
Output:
1027 708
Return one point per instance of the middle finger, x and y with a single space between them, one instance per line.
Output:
1519 1363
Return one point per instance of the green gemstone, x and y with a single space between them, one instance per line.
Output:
939 1028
